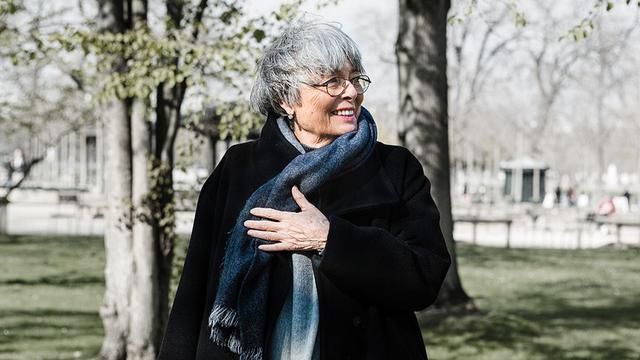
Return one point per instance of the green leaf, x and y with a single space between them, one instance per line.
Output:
609 5
259 35
521 21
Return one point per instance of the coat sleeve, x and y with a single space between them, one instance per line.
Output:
180 339
399 269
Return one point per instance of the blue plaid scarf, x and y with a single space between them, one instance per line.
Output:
237 320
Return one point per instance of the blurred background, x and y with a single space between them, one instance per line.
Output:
524 114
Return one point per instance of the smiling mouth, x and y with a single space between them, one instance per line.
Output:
343 112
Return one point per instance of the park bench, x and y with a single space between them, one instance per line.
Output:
619 221
476 219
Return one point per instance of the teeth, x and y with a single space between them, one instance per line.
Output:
344 112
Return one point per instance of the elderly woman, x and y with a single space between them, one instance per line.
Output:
314 241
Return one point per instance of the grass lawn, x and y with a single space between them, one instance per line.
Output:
544 304
536 304
50 292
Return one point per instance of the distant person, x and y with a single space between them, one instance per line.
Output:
15 167
8 172
17 163
606 207
314 241
627 194
572 196
558 193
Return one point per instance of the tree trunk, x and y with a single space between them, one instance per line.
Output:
168 118
144 338
139 234
3 217
212 153
169 101
422 67
120 267
118 235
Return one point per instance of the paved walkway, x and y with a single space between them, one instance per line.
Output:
567 236
556 230
49 218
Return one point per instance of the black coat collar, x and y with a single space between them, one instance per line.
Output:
365 187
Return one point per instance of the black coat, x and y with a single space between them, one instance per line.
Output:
385 255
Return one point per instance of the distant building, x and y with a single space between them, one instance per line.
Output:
75 162
524 179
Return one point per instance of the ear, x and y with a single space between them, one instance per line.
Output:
288 108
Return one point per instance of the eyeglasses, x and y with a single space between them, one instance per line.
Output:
337 85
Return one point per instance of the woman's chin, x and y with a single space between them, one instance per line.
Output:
348 127
349 123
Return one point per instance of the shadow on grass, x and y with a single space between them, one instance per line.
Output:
24 326
595 310
64 280
481 335
65 240
535 329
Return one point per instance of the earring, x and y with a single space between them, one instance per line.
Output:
290 116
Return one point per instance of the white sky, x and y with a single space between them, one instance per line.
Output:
373 25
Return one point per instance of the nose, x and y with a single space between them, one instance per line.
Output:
350 91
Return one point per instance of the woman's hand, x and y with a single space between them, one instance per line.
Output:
292 231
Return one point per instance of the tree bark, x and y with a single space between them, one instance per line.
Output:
169 101
139 233
212 153
168 119
118 235
3 218
143 341
115 311
422 69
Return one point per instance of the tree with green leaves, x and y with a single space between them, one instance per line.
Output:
140 67
146 79
145 72
39 108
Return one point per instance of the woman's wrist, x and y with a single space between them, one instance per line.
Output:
322 243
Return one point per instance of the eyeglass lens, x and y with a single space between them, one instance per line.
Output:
336 87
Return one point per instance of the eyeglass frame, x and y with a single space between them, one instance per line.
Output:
344 86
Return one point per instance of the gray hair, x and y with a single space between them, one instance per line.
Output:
304 52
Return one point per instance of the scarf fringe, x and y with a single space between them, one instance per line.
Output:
222 318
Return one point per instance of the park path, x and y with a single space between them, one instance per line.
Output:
550 231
